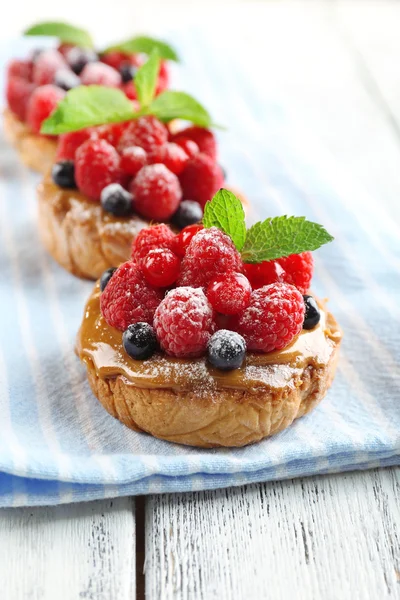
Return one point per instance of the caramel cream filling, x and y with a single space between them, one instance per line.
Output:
101 345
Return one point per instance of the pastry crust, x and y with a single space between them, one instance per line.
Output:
35 151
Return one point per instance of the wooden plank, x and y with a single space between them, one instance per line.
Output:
69 552
321 537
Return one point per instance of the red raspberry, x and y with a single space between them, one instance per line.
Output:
170 155
185 237
156 192
20 68
115 59
41 104
298 270
111 133
161 267
210 253
156 236
18 92
65 48
273 318
133 159
189 146
46 66
129 90
204 138
163 77
230 293
98 73
68 143
96 166
201 179
184 322
146 132
264 273
128 299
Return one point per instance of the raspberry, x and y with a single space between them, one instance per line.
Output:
41 104
204 138
98 73
264 273
163 78
157 236
230 293
46 65
111 133
161 267
273 318
96 166
170 155
20 68
189 146
128 298
201 179
210 253
298 270
133 159
68 143
146 132
185 237
129 90
184 322
156 192
18 92
115 59
64 49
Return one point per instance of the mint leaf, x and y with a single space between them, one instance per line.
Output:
146 45
282 236
225 211
146 79
179 105
68 34
86 106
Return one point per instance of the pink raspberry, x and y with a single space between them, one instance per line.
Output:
46 66
152 238
298 270
204 138
98 73
156 192
273 318
20 68
133 159
184 322
171 155
96 166
128 299
41 104
18 93
146 132
229 293
201 179
209 254
68 143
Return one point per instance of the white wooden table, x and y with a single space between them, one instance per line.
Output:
333 537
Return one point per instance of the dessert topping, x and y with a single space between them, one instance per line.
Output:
226 350
105 278
139 341
63 174
116 200
313 314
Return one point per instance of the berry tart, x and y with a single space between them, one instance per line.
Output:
111 180
212 339
35 86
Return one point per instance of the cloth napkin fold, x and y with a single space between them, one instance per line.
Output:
57 443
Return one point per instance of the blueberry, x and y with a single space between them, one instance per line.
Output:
139 341
312 315
66 79
188 213
226 350
78 58
116 200
63 174
127 72
105 278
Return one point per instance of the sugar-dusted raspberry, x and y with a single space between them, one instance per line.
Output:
229 293
273 318
189 146
201 178
96 166
111 133
133 159
68 143
128 298
42 103
156 192
114 59
264 273
46 66
184 322
20 68
210 253
204 138
298 270
146 132
171 155
18 92
161 267
156 236
98 73
185 237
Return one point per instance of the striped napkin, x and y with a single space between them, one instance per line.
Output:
57 443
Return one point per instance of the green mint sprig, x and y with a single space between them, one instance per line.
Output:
66 33
266 240
88 106
145 45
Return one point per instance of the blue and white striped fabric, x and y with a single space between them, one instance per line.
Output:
58 445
